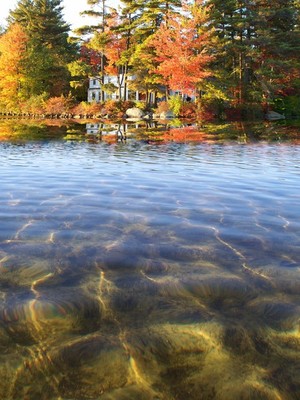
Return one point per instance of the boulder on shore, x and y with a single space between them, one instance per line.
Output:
167 115
274 116
134 113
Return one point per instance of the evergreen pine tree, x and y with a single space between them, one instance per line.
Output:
257 47
278 47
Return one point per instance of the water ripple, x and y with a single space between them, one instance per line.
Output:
138 271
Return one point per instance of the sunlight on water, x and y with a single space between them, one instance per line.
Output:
144 271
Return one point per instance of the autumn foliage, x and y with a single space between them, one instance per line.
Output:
181 53
12 52
228 56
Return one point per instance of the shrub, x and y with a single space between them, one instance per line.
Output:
289 106
35 104
123 105
58 105
188 110
162 106
117 108
175 104
140 105
85 108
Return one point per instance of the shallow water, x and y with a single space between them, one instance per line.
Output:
141 271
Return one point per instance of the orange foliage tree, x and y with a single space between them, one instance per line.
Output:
117 43
117 53
181 50
12 50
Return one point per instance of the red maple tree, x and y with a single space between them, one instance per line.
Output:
181 51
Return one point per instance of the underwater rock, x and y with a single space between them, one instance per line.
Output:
101 361
32 317
237 339
220 292
276 313
167 115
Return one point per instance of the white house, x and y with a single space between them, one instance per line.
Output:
92 129
94 90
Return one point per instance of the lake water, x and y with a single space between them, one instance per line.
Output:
149 270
